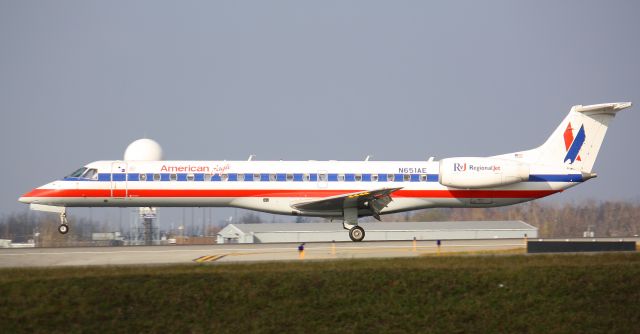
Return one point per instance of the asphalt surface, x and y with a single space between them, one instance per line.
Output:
225 253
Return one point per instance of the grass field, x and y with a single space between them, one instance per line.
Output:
507 293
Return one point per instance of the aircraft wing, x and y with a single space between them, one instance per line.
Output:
375 200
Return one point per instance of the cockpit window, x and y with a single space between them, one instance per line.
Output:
91 174
78 172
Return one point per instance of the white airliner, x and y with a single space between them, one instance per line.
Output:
344 190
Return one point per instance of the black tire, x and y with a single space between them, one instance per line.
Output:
356 234
63 228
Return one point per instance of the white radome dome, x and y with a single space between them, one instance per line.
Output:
143 150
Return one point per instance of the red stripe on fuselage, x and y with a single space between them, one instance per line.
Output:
316 193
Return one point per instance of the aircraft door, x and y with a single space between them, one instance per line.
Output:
119 179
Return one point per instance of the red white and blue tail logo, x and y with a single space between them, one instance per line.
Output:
573 144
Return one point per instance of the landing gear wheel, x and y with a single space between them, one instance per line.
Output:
356 233
63 228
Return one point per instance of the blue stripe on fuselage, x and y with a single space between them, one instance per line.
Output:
106 177
555 178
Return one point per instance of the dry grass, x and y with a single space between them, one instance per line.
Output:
510 251
506 293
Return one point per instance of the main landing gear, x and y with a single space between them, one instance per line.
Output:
356 233
350 222
63 228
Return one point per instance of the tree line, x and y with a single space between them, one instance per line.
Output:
28 226
566 220
554 220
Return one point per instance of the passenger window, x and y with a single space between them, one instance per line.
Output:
240 177
272 177
340 177
306 177
374 177
173 177
423 177
289 177
142 177
407 177
224 177
156 177
207 177
190 177
390 177
256 177
358 177
322 177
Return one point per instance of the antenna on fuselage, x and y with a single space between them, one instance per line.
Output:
251 156
430 159
368 157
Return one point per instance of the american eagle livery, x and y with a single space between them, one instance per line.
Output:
344 190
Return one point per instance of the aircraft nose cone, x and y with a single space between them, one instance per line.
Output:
26 198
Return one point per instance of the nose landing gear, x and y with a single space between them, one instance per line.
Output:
63 228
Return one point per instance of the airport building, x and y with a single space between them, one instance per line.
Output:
377 231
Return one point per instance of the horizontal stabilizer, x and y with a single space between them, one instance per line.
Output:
603 107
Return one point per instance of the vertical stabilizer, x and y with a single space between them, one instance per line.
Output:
577 140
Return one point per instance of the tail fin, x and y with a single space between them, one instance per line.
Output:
578 138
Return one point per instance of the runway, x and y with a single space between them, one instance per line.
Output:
228 253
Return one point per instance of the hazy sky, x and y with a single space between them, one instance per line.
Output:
297 80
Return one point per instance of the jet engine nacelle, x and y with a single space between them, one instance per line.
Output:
471 173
